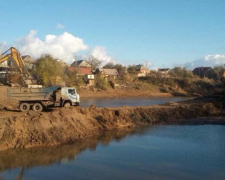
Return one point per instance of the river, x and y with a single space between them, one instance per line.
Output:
129 101
155 152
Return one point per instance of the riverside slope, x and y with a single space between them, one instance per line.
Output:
68 125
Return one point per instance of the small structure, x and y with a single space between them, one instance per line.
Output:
107 73
202 71
80 63
83 71
142 71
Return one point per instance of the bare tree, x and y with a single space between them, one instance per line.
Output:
94 62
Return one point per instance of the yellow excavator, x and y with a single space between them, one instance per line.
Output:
17 73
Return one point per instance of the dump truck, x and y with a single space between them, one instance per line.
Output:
37 99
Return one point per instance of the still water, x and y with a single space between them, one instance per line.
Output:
129 101
156 152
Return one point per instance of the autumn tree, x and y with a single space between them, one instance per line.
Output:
48 69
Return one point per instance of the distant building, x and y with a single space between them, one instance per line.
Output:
107 73
202 71
142 71
83 71
163 72
80 63
28 61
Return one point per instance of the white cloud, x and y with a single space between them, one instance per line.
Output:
60 26
207 61
3 43
64 46
100 53
3 46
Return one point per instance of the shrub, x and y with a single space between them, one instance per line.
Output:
101 82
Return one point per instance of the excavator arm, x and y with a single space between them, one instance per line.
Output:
24 78
5 58
15 55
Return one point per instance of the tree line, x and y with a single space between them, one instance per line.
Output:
50 71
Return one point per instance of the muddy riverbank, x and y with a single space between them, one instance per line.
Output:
67 125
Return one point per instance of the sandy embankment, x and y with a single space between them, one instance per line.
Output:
66 125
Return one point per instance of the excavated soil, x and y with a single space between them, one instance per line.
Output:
68 125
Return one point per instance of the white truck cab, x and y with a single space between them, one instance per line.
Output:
70 97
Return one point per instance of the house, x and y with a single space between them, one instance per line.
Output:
83 71
28 61
80 63
107 73
202 71
8 66
163 72
142 71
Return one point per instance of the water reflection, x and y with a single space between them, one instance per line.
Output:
28 158
156 152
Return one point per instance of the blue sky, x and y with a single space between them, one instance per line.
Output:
160 32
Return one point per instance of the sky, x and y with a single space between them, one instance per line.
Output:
159 33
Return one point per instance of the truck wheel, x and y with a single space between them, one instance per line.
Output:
24 107
37 107
67 104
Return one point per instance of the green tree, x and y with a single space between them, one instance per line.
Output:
131 69
218 71
109 66
101 82
121 70
71 78
48 69
181 72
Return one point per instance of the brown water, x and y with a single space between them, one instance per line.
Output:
156 152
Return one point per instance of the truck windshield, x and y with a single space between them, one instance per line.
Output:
71 91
